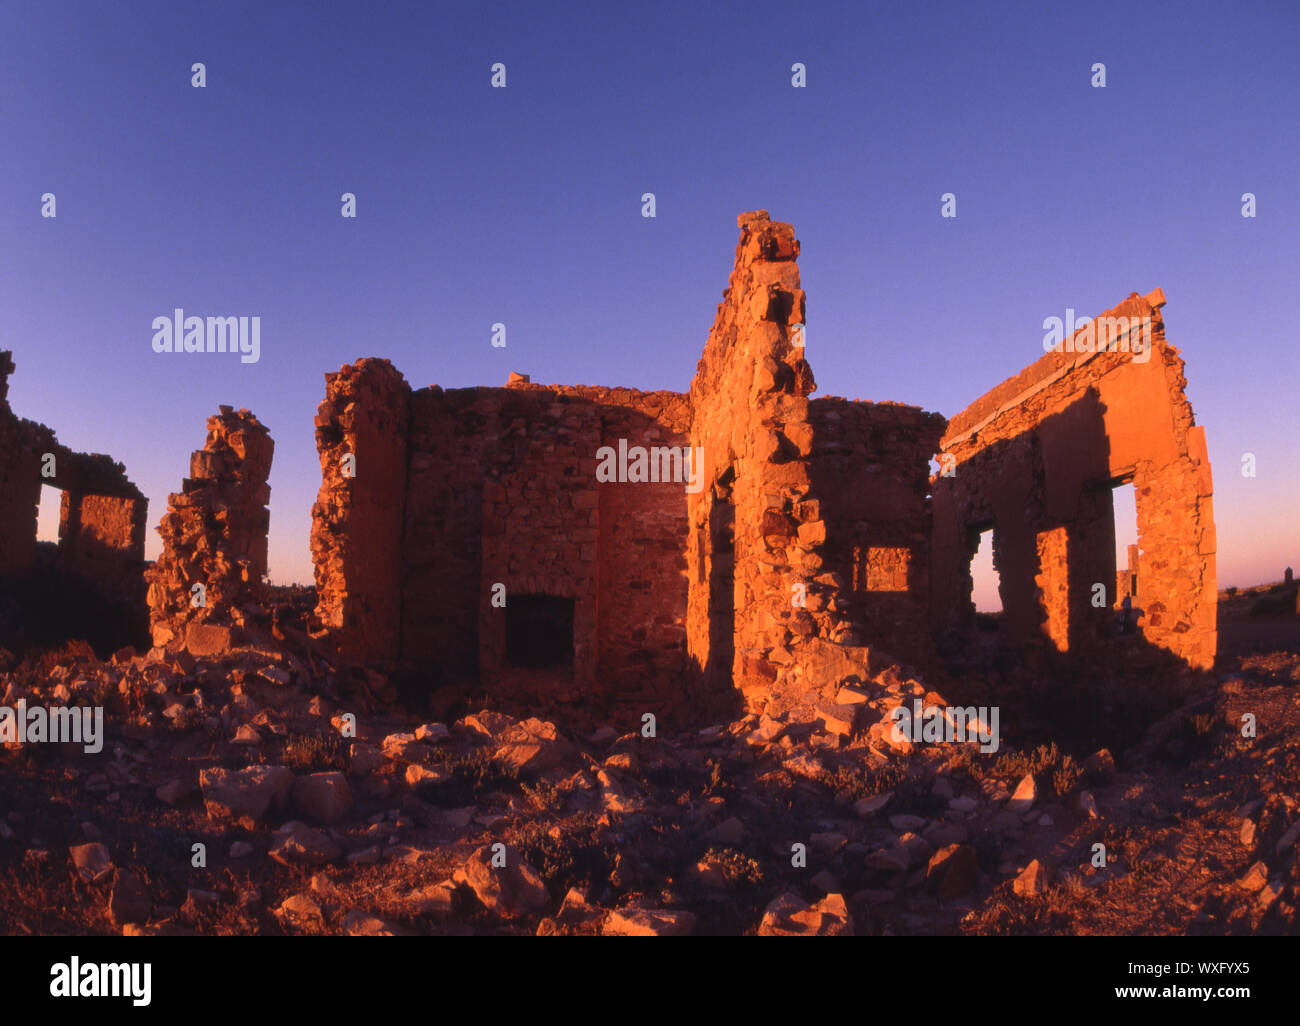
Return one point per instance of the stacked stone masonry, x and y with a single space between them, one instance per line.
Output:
214 533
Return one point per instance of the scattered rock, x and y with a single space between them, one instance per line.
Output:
300 914
1255 879
1289 838
364 759
300 845
487 724
247 793
1033 880
532 746
129 900
432 733
400 746
363 924
643 922
1024 796
418 776
91 861
323 797
790 916
866 808
435 900
952 871
509 890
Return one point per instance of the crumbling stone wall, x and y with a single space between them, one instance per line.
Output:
101 524
1037 457
757 532
870 470
214 533
357 520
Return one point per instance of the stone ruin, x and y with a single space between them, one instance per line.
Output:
740 543
214 538
468 533
1035 460
100 556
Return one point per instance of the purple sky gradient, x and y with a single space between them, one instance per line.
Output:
523 206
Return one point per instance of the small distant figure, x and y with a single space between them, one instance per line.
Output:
1126 618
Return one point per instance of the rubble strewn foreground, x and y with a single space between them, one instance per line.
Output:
263 789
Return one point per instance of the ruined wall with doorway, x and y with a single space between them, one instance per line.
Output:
95 578
1037 458
466 489
504 490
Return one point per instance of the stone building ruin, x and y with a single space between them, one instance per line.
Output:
738 543
1036 459
468 532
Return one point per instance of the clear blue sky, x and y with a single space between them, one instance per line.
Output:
523 205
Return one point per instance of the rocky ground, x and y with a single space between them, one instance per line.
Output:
259 789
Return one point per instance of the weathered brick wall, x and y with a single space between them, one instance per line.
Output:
642 546
870 470
1037 456
357 519
442 532
502 489
214 531
540 520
